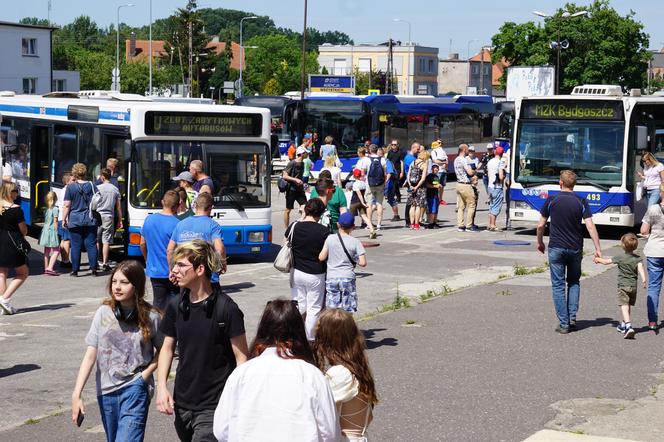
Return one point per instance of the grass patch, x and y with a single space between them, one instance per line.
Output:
57 413
503 276
506 292
445 290
520 270
584 274
653 390
32 421
577 432
410 322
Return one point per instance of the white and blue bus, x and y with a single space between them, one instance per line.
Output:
42 137
599 133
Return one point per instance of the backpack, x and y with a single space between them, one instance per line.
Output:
414 174
282 184
93 204
376 174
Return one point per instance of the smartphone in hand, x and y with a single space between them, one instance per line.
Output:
79 419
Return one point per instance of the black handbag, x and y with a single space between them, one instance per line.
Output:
22 245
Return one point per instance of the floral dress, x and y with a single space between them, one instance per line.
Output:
416 198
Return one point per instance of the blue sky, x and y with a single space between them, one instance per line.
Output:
433 22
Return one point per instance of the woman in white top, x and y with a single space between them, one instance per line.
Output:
652 176
653 226
339 349
279 394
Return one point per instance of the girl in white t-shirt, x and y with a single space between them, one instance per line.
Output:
652 176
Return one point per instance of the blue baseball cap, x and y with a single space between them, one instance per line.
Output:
346 220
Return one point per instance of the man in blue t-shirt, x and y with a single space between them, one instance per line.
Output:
155 235
567 212
200 226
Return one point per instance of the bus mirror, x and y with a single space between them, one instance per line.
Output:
495 126
641 137
274 146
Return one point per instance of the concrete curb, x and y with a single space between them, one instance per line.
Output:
560 436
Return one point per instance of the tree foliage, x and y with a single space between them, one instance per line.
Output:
604 47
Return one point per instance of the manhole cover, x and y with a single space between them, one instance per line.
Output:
370 244
511 242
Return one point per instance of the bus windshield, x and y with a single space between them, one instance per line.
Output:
238 170
593 149
347 121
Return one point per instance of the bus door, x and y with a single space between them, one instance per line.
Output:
40 173
117 145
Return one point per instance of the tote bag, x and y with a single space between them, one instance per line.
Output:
284 260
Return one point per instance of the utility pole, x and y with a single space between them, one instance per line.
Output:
390 67
304 51
191 58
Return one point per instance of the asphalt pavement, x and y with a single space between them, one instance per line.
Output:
480 363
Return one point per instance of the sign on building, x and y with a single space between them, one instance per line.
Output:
374 91
332 83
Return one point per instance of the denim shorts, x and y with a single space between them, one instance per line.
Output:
497 197
63 233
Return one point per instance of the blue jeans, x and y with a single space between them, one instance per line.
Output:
390 193
565 267
124 412
79 236
655 268
653 197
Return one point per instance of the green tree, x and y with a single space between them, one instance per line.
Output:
34 21
604 47
277 57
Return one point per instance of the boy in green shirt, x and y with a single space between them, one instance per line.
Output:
629 264
333 197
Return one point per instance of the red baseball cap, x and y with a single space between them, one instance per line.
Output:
357 173
499 150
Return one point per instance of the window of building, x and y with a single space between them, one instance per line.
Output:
29 46
431 66
487 69
29 85
476 69
422 63
339 66
59 85
364 65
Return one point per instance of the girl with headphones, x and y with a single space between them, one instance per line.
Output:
123 343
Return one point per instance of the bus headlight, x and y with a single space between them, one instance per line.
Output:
520 205
620 210
256 236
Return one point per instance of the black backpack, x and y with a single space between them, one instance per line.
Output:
376 174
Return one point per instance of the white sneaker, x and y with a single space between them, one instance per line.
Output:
378 227
6 306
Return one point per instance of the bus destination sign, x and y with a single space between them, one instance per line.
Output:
203 125
572 110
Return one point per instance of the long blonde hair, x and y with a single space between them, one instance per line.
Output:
6 195
650 157
330 161
51 199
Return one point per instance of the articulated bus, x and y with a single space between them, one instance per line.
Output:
596 131
351 120
42 137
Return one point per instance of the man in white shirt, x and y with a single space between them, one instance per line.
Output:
439 157
496 174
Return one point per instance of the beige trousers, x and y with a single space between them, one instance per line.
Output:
465 201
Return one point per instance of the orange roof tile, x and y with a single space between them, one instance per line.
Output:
158 50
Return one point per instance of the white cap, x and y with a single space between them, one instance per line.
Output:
300 150
471 148
490 146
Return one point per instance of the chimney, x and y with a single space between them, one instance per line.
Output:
132 44
453 56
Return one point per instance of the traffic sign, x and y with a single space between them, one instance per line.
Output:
374 91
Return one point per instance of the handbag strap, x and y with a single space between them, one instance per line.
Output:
343 246
290 235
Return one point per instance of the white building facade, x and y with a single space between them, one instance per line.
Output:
26 66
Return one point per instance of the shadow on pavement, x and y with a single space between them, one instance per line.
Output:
44 307
371 344
245 259
236 288
598 322
18 369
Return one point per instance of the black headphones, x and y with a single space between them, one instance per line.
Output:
120 316
208 305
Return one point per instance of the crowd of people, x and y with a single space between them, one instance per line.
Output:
381 173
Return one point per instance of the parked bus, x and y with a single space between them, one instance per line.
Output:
42 137
280 107
597 132
352 120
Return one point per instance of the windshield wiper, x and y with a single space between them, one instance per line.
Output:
235 201
535 183
593 183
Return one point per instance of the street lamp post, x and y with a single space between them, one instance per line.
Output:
239 93
304 51
117 48
150 37
409 27
558 42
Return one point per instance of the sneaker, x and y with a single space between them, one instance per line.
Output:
629 333
74 274
378 227
562 330
461 229
6 307
443 203
621 328
106 267
65 265
473 229
396 218
572 324
652 326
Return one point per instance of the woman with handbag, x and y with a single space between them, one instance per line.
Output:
652 177
14 247
78 219
308 273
